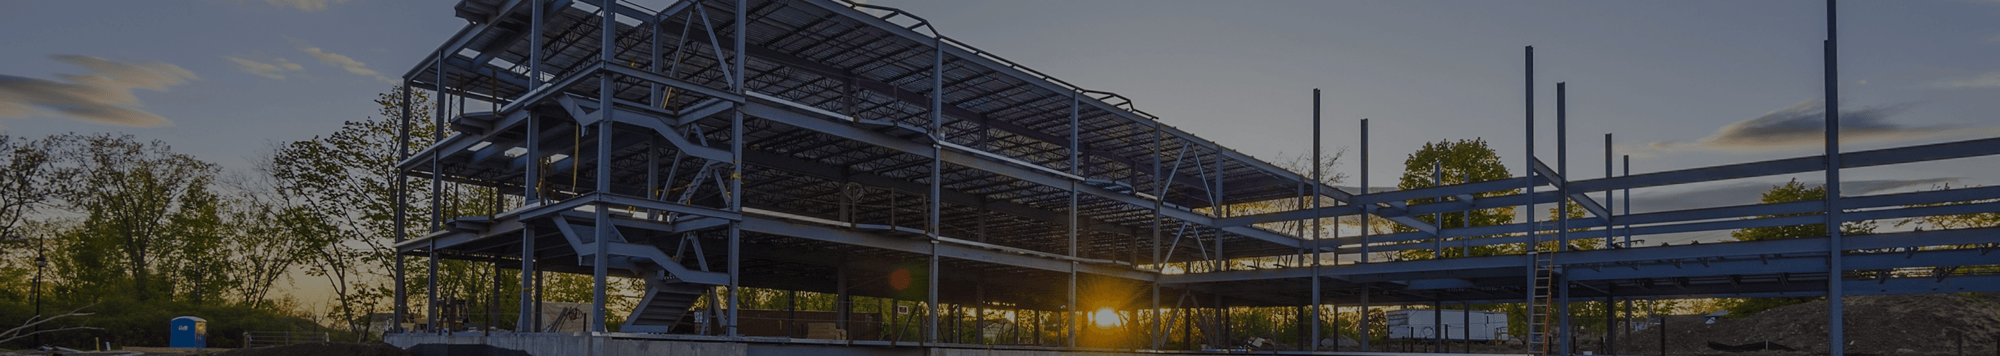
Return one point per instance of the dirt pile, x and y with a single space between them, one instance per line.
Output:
321 349
1924 324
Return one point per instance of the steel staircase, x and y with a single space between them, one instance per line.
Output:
671 288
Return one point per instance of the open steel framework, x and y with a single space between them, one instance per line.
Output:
791 144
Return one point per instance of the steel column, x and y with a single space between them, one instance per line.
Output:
1361 322
1318 180
1834 329
437 195
739 82
402 196
600 262
1562 212
937 180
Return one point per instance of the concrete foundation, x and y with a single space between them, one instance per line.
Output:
621 344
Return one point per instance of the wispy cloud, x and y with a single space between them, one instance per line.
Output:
1804 124
1986 80
1741 193
103 96
267 70
340 61
1994 39
301 5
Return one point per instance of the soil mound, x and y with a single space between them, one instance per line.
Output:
1921 324
321 349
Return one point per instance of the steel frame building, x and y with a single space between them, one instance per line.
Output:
794 144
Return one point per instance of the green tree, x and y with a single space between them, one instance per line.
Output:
1955 221
138 199
1789 192
1463 161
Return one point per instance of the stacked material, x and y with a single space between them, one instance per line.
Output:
825 331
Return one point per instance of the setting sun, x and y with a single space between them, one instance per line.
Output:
1105 317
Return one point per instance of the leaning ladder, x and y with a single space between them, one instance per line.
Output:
1541 301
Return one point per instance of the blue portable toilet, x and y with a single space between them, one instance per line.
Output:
189 332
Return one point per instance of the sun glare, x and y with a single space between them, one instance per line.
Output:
1105 317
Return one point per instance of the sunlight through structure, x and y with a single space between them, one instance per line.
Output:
849 149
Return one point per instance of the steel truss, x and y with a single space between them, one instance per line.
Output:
791 144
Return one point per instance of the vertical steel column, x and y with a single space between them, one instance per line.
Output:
1835 331
979 310
736 165
1437 323
532 176
1610 201
1628 232
1528 169
937 178
1437 240
402 196
654 92
1369 206
437 192
1562 212
1610 301
599 268
1628 202
843 304
1074 329
1313 344
1159 200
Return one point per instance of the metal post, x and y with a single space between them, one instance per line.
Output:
737 165
1562 213
1609 201
1835 331
437 194
402 196
530 279
843 303
1437 240
1159 198
1528 167
1437 320
1528 170
1465 313
599 268
1074 329
1361 323
937 177
1313 344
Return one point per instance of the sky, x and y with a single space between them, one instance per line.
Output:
1681 84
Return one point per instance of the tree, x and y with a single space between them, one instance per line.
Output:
340 190
21 183
1789 192
1463 161
1955 221
136 196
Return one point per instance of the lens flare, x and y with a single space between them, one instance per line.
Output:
1105 317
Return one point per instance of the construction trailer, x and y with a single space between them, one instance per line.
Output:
829 146
1447 324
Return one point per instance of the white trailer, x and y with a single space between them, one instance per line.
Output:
1422 324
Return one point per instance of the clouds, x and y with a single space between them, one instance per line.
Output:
1804 124
1987 80
1742 193
301 5
103 96
267 70
343 62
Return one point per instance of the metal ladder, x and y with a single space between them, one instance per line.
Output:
1541 303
